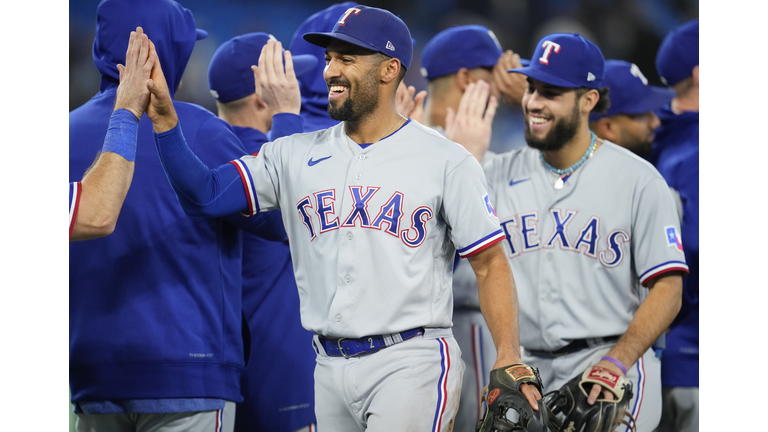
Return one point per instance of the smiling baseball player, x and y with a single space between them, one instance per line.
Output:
373 234
589 227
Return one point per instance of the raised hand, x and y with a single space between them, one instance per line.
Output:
278 88
132 93
512 86
160 109
408 105
471 124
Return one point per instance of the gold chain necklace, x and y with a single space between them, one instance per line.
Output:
385 133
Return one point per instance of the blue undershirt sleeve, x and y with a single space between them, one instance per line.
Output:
285 124
201 191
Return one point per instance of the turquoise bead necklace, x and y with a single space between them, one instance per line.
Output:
564 173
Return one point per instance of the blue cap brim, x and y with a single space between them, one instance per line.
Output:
303 63
323 39
657 98
544 77
524 62
201 34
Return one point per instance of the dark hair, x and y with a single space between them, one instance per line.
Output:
603 104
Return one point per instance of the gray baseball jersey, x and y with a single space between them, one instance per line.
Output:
581 254
373 231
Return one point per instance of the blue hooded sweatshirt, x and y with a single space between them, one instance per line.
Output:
676 156
155 307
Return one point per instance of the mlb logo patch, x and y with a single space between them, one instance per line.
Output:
673 238
489 207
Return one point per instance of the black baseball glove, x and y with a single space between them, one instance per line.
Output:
604 415
503 393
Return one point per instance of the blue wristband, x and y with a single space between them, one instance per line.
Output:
122 134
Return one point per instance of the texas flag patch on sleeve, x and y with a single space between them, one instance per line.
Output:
489 206
673 238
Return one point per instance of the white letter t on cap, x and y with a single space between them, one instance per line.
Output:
343 20
548 45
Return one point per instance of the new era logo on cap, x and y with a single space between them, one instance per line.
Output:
390 46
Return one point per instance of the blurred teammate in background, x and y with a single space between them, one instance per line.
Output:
630 121
676 156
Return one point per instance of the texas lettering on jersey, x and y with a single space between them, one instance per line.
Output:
318 213
522 235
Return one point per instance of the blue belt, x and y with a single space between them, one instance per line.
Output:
349 347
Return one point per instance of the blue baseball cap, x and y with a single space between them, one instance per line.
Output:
371 28
230 76
468 46
566 60
630 92
678 53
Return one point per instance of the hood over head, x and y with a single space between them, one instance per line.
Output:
170 26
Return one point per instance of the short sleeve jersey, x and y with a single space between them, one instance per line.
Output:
374 231
581 254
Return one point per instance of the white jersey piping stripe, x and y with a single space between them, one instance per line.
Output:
640 392
442 385
482 244
75 192
250 191
663 268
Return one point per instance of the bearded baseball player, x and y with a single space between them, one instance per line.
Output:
375 208
589 227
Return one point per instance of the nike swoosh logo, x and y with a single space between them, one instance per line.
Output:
513 182
315 162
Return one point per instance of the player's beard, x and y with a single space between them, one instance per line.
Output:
561 132
365 99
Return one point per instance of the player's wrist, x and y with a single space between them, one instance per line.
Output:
122 134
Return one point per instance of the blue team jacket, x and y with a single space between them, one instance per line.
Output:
676 156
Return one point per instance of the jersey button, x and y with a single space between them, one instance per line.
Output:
549 257
358 176
362 157
549 297
347 278
349 236
338 317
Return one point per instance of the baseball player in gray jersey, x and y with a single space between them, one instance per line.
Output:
375 208
589 226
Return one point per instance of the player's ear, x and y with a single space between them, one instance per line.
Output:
605 128
389 70
463 79
589 100
258 102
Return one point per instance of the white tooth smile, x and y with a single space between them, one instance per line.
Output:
538 120
338 88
